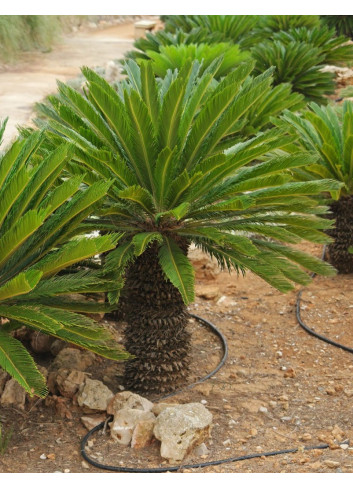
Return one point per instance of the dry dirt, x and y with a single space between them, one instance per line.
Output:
280 388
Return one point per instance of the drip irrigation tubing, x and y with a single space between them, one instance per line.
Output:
307 328
175 468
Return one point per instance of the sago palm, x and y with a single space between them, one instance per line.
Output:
171 57
36 221
175 183
327 132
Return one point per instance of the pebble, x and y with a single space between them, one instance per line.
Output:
227 442
203 401
344 446
279 354
66 471
43 456
330 391
332 464
241 373
90 443
273 403
263 409
85 465
286 418
306 437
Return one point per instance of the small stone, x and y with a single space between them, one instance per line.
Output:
253 432
203 401
344 446
279 354
40 342
85 464
208 292
330 391
91 422
290 373
181 428
66 471
142 435
128 400
13 394
124 423
241 373
94 395
201 451
73 359
43 456
263 409
348 392
273 404
90 443
332 464
306 437
226 442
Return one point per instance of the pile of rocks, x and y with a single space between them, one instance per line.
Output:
137 422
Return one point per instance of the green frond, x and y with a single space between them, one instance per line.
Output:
177 268
15 359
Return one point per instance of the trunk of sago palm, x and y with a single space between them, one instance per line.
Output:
156 332
342 233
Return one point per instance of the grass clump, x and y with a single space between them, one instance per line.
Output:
21 33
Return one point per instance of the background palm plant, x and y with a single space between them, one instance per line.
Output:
168 144
36 221
343 24
175 56
328 133
335 49
239 29
297 63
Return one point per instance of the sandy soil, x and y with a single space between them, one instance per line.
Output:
279 389
29 81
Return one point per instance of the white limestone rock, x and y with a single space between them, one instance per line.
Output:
181 428
127 399
125 421
93 394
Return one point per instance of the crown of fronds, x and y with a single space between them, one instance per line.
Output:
36 219
297 63
169 147
326 132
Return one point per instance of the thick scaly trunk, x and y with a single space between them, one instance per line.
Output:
342 233
156 329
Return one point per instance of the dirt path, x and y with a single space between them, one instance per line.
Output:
35 76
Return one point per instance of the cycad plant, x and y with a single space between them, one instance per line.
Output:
36 221
171 57
164 142
336 51
276 23
327 132
343 24
297 63
154 41
239 29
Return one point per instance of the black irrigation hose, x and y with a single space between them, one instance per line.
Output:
311 331
188 466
